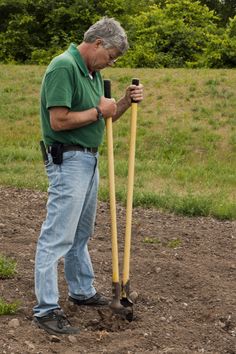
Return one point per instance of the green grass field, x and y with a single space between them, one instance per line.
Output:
185 147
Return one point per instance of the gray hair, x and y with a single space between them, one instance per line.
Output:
110 32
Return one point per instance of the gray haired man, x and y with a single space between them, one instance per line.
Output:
73 114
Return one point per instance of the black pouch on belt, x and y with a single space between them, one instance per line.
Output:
57 153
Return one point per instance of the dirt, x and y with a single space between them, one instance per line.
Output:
182 268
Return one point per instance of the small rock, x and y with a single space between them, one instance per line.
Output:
168 350
14 323
72 307
133 296
221 324
11 332
55 339
157 270
29 345
72 339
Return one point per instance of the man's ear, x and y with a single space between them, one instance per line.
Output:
98 42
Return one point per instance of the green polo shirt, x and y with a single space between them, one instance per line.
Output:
67 83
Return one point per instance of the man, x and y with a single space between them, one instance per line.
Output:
73 113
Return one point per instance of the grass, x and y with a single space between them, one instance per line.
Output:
185 146
7 267
8 309
174 243
7 270
151 240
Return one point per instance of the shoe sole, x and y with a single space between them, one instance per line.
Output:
92 304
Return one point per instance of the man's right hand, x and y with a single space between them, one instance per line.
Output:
107 106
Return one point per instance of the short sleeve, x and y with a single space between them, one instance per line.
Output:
58 88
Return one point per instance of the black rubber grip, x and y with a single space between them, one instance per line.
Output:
107 88
135 82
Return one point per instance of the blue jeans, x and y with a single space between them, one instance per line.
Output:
71 211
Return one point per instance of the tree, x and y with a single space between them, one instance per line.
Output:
8 9
46 25
225 9
214 5
162 33
175 35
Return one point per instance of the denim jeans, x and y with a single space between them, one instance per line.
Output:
71 211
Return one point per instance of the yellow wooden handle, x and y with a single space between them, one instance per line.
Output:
133 128
112 195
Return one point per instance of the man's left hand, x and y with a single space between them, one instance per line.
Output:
134 92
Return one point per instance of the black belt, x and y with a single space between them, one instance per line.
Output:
65 148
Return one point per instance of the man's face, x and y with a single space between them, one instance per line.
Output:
103 57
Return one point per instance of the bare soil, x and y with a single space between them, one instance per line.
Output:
182 268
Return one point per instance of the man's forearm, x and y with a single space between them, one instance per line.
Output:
62 118
122 105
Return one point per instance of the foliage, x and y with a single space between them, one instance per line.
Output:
7 267
176 33
174 243
8 309
225 9
151 240
42 24
162 33
221 51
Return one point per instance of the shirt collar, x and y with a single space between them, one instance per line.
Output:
78 58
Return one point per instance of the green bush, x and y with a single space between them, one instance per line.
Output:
164 33
43 56
173 36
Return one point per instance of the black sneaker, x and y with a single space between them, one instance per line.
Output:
55 323
96 300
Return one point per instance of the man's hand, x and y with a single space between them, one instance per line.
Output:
135 93
107 106
132 92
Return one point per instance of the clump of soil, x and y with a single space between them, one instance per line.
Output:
183 270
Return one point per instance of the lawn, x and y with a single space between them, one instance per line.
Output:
185 146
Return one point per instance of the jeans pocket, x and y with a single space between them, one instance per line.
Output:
69 155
